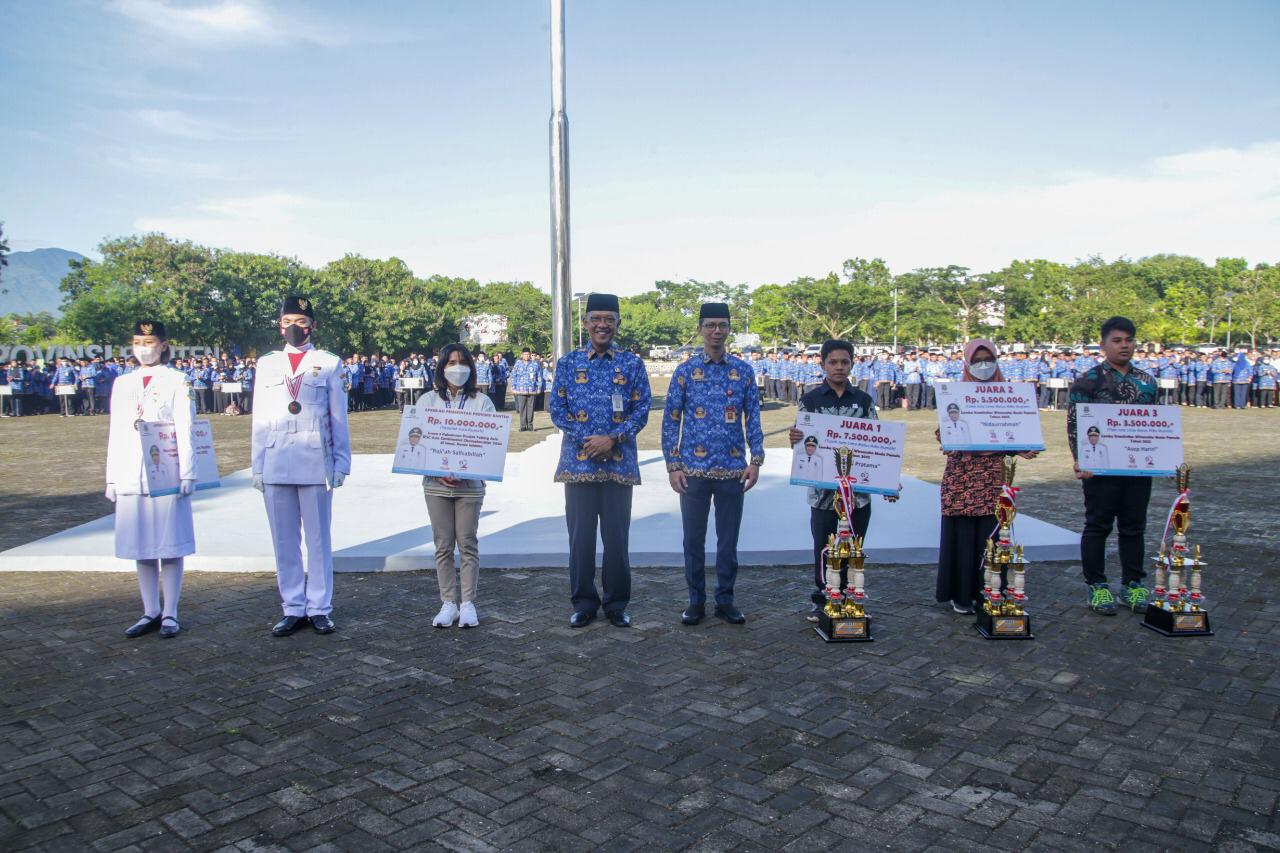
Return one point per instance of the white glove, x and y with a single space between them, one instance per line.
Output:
110 493
258 484
338 479
186 487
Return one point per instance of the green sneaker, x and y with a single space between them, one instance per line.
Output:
1134 596
1101 600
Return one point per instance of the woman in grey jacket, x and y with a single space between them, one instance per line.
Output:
453 503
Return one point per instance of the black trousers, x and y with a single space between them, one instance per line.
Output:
606 508
822 524
1221 394
1121 501
884 395
695 505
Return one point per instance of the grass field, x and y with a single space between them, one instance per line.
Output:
53 466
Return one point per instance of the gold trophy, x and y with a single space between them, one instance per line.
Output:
844 618
1003 614
1178 608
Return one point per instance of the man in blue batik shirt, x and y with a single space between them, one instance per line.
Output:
714 447
526 382
600 403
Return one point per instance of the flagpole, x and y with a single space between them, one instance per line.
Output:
561 284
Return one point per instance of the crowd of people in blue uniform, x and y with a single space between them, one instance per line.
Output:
1221 380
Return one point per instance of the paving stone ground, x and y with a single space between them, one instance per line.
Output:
527 735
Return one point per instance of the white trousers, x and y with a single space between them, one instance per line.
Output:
293 511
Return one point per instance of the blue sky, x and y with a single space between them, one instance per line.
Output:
745 141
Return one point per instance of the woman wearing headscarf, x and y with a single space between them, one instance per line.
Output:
155 532
970 485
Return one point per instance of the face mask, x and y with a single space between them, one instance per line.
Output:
296 335
147 355
983 370
457 374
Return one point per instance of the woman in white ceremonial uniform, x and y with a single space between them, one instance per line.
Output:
453 503
156 532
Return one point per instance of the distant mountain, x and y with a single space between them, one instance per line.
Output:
30 281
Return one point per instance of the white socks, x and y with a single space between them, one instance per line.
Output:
149 581
149 586
171 578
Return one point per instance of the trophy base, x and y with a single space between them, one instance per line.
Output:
844 629
1175 623
995 626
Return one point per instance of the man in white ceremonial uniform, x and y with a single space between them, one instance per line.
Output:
412 455
954 430
809 465
1094 456
301 452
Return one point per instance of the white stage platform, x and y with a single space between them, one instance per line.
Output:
381 524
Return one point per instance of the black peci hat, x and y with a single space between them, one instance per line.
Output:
297 305
603 302
153 328
713 311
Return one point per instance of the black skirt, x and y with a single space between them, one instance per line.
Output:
964 539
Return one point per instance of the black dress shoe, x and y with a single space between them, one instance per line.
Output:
620 619
323 624
693 614
288 625
145 625
169 628
730 614
581 618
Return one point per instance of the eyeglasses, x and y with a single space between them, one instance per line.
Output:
715 327
601 320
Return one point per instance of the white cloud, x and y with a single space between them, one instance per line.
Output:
229 22
178 123
277 222
165 166
1210 203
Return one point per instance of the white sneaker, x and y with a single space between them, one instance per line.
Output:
468 617
448 613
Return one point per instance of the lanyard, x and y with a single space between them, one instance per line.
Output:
462 401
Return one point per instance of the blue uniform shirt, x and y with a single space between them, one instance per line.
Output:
710 406
526 377
1266 375
600 394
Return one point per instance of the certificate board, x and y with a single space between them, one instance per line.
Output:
159 457
876 445
206 458
1128 440
989 416
452 443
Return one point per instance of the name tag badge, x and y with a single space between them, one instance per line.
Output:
618 403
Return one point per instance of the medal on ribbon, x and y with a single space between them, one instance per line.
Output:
294 386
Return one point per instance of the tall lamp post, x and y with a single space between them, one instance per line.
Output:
1230 298
580 298
895 321
561 286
